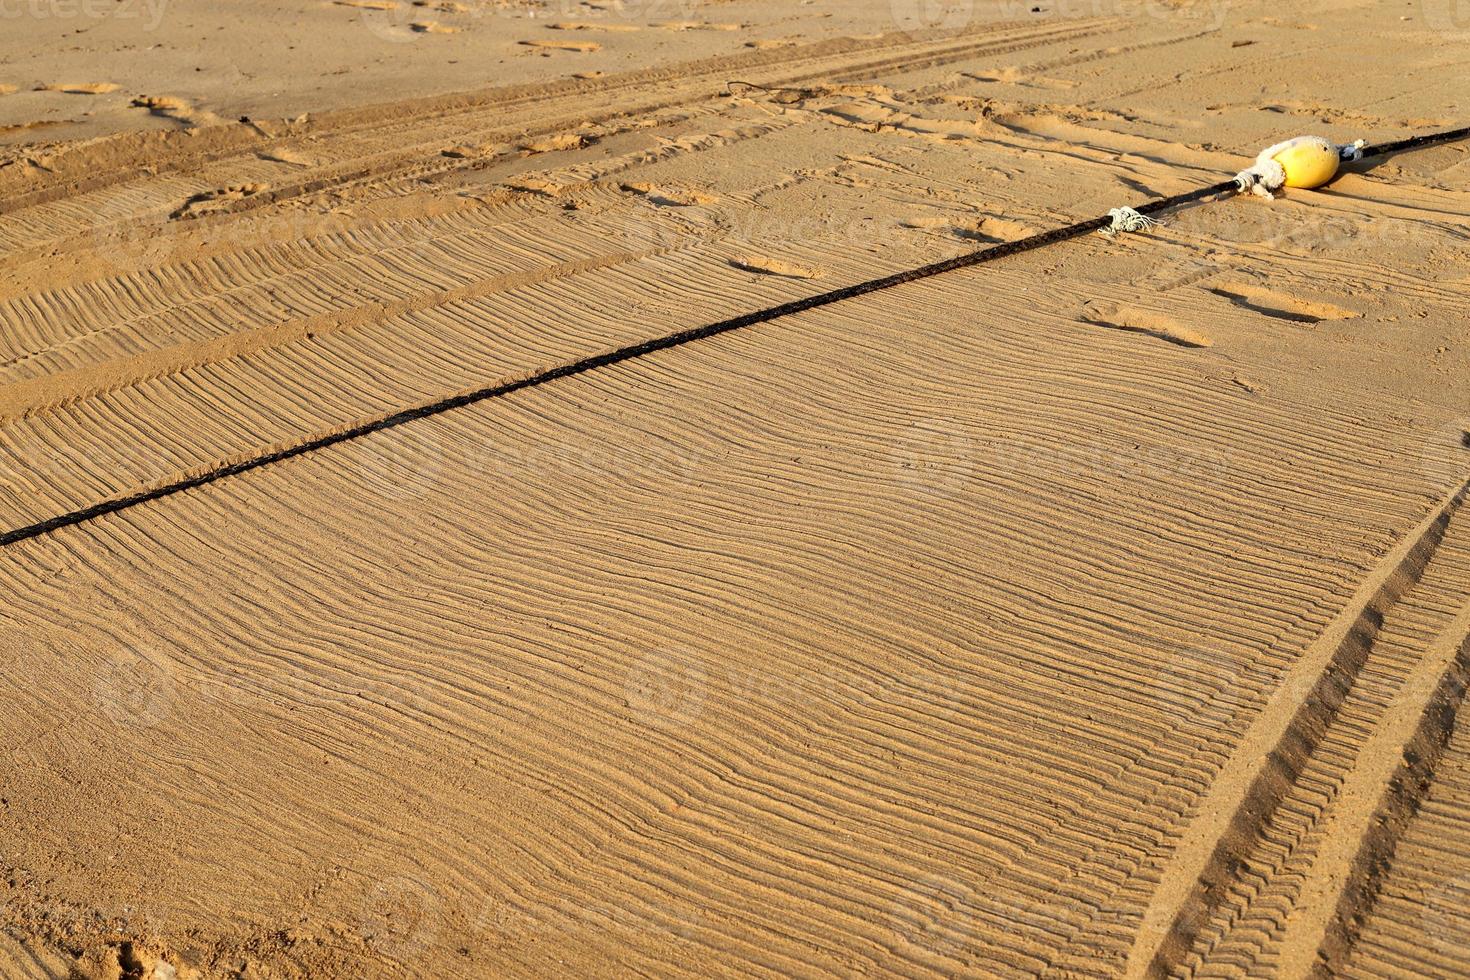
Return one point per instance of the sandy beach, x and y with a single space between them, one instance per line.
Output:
1102 610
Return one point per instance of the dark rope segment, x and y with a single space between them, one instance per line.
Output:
666 342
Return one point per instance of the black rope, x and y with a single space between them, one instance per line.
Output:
662 343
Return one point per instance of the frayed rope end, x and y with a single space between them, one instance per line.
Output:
1127 219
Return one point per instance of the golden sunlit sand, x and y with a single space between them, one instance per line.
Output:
1097 611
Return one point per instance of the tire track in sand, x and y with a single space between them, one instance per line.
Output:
1395 769
386 141
825 788
1259 786
24 398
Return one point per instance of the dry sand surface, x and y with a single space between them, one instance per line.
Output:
1098 611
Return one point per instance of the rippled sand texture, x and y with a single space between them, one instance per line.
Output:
1099 611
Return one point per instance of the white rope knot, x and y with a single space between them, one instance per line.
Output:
1262 178
1352 151
1127 219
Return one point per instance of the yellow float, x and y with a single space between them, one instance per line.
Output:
1304 161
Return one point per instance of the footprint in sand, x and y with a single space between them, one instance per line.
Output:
293 157
161 103
217 200
695 25
879 115
993 231
465 152
1280 305
546 47
1295 25
1015 75
171 107
559 141
1116 316
607 28
765 266
1005 76
988 230
926 224
1055 84
532 184
674 197
81 88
